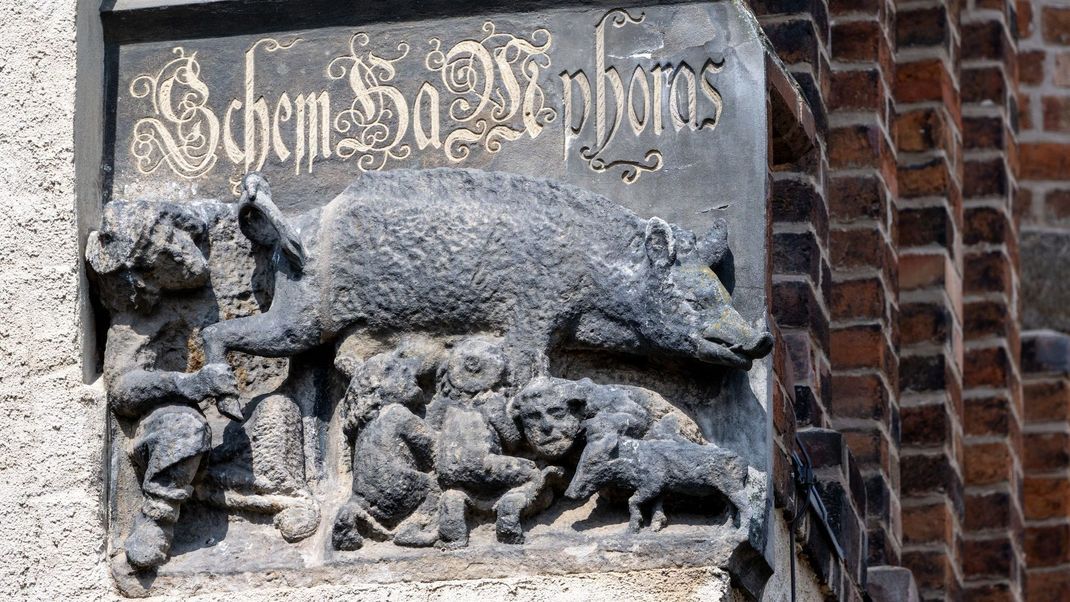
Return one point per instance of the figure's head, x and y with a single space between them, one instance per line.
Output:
390 378
377 382
143 249
692 310
476 365
549 412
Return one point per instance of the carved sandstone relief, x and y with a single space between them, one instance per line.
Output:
405 366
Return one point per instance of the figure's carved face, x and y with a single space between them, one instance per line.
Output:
694 310
549 416
391 378
476 365
143 249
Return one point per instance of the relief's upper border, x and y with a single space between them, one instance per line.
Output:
484 91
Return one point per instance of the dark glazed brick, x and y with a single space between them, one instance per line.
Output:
1047 401
985 225
986 177
1047 545
793 200
1046 451
980 84
857 197
925 226
927 425
860 89
856 41
988 510
924 323
988 557
795 40
987 416
923 372
923 129
796 253
987 367
928 474
987 272
922 27
1056 113
860 396
985 40
983 133
825 447
862 247
1031 67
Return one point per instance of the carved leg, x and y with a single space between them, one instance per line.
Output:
271 334
526 481
452 514
149 542
422 528
168 447
741 500
635 507
345 535
657 516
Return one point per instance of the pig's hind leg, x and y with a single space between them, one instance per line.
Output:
657 515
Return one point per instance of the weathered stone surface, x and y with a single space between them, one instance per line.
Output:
1045 291
554 250
445 300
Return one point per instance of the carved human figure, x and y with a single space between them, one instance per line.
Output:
554 412
470 413
142 251
395 493
549 412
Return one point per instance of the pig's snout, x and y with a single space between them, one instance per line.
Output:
574 491
739 338
758 347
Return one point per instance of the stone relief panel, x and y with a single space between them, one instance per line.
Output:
500 311
445 297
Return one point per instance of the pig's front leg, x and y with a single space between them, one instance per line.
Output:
635 506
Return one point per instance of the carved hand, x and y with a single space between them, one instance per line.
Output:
217 381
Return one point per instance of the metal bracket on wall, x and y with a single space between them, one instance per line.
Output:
805 490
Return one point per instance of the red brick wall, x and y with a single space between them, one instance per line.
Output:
827 295
930 179
943 131
1046 463
1044 112
864 310
993 559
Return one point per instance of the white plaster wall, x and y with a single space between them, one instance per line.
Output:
52 425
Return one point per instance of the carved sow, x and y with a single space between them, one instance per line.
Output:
454 251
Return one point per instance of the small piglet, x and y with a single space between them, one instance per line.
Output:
652 468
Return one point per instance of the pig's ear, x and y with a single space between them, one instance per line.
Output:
660 244
714 245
